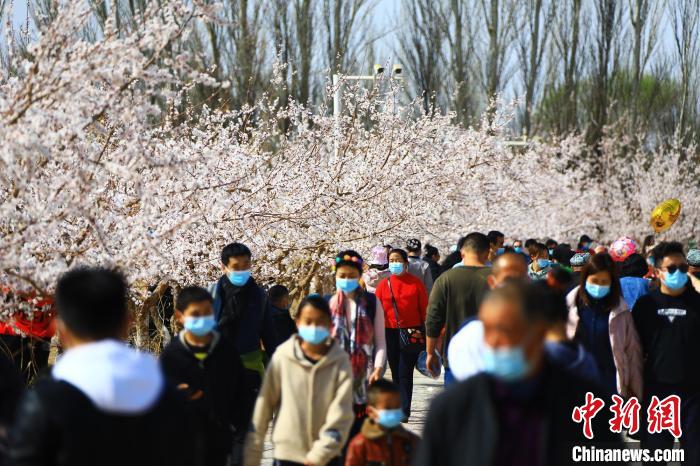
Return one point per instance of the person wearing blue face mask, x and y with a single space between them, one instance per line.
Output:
243 313
358 326
404 300
518 246
668 322
308 392
242 308
382 439
518 409
600 320
496 241
540 265
205 364
584 243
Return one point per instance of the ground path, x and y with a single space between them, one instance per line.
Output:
424 389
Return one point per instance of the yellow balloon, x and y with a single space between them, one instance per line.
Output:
665 214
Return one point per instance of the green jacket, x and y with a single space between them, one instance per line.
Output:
456 297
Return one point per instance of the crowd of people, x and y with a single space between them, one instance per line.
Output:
522 330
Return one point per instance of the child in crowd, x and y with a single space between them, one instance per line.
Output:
206 365
104 403
279 301
382 439
308 390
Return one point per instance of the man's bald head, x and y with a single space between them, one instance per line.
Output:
508 266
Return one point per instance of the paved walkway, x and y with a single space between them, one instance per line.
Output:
424 389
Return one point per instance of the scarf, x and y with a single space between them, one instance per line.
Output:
232 308
537 275
357 339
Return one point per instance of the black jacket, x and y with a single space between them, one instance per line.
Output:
462 425
284 325
243 314
219 376
435 269
57 425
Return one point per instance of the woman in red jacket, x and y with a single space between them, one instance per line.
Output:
404 300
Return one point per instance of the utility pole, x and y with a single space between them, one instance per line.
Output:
396 73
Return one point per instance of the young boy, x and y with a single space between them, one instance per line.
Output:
308 390
205 364
382 439
279 301
105 403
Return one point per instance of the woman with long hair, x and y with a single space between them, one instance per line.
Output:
357 324
600 320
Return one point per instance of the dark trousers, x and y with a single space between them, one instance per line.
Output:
402 365
253 383
690 422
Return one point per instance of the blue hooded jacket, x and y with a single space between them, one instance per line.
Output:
633 288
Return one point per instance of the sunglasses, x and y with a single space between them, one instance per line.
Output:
672 268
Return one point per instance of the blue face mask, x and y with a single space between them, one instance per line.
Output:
389 418
314 335
597 291
518 249
200 326
585 246
239 278
500 251
347 285
396 268
507 364
550 251
543 263
675 280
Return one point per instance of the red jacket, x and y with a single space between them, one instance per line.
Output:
411 300
373 445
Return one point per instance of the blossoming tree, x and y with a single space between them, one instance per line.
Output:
105 161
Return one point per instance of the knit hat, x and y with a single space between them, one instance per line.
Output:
580 259
413 245
378 256
693 257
